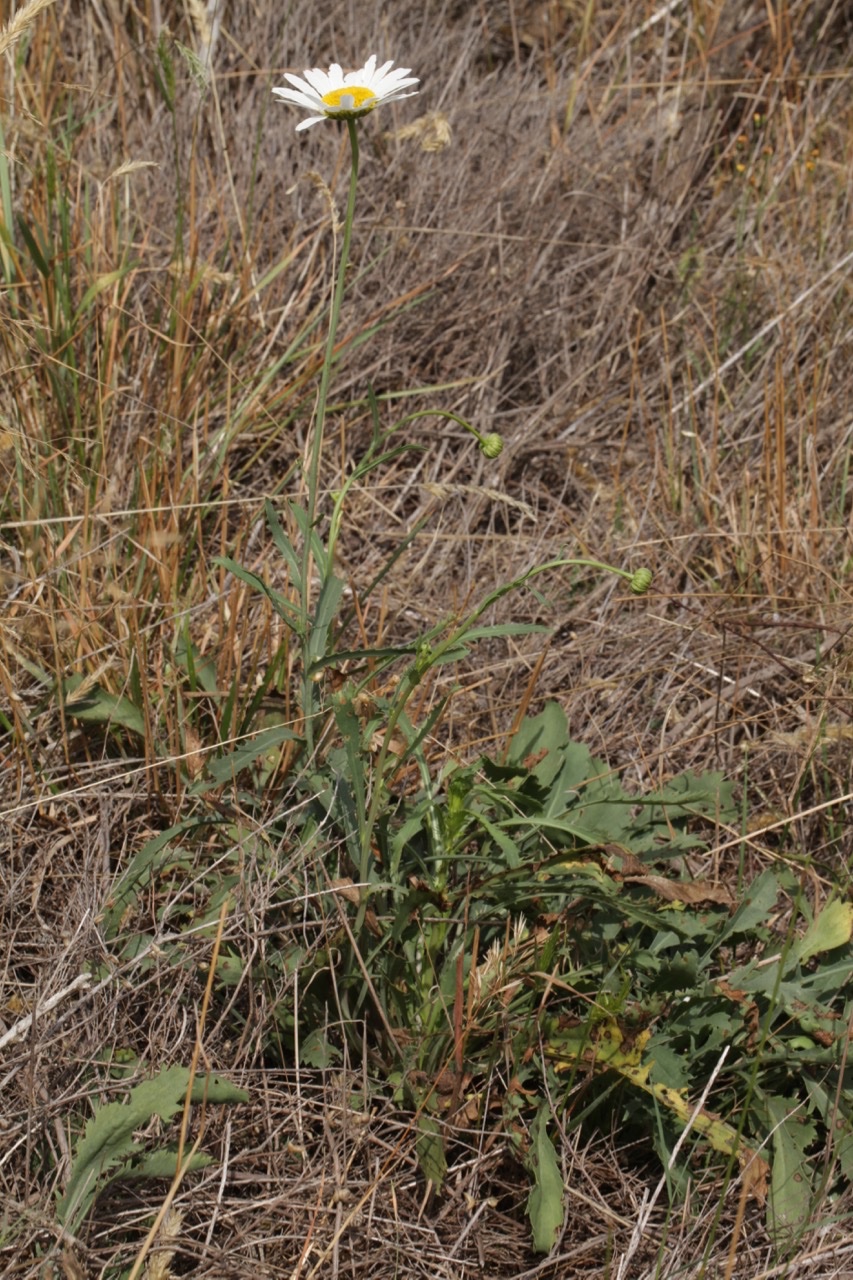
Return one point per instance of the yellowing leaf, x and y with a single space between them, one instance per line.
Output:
831 928
613 1051
689 892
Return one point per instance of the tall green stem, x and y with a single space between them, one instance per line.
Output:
308 688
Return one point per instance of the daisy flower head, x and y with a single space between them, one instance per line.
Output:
333 95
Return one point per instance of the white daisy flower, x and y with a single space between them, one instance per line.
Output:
333 95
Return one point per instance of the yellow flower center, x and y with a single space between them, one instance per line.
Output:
352 97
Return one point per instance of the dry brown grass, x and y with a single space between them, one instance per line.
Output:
632 259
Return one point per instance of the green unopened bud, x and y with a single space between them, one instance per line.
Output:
421 664
641 581
492 445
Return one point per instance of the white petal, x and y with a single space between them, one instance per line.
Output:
299 83
395 96
385 70
311 103
336 76
399 77
318 80
306 124
397 91
394 86
361 77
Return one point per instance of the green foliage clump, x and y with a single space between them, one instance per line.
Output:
108 1148
524 929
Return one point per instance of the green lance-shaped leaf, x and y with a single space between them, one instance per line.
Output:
430 1149
97 706
545 1202
789 1205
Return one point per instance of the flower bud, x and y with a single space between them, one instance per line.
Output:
641 581
492 445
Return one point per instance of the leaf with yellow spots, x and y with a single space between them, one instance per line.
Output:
609 1049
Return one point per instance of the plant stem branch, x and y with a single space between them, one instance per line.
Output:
316 448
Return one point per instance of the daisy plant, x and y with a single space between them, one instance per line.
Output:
344 96
348 96
335 95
